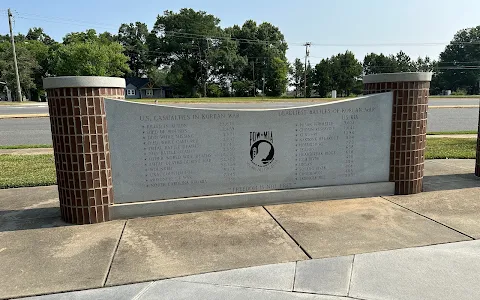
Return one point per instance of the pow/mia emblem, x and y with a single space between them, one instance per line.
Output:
262 151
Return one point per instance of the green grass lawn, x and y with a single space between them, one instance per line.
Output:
451 148
26 170
37 170
26 146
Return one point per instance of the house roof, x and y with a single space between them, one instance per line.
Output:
137 81
144 83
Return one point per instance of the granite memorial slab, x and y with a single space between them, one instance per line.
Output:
163 152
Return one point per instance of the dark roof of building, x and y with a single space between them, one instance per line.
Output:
137 81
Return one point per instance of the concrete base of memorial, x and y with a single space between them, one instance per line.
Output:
225 201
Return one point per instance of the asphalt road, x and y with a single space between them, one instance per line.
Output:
42 108
37 130
25 131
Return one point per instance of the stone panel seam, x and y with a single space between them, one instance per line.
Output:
114 253
351 276
294 276
291 237
332 295
439 223
143 291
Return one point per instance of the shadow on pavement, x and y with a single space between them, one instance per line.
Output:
450 182
35 218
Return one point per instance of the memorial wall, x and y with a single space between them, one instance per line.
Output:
166 152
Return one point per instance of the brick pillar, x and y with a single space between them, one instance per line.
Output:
409 125
477 162
80 144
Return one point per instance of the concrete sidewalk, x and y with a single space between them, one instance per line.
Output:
448 271
452 136
27 151
42 255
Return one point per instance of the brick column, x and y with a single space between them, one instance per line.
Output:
409 125
477 162
80 144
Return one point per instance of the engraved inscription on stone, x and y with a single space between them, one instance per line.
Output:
165 152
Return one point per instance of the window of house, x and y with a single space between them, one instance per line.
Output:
149 92
130 92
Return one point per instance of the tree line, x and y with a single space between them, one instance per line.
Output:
191 52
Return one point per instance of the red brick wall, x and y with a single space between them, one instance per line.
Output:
82 154
409 128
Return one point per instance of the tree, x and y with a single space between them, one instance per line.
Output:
182 41
90 59
322 77
90 35
458 63
133 37
404 63
37 34
341 72
158 75
297 72
276 77
378 63
26 66
346 72
42 53
264 47
310 77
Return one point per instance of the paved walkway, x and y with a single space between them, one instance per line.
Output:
27 151
448 271
368 248
453 136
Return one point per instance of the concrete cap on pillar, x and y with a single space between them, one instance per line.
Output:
398 77
83 81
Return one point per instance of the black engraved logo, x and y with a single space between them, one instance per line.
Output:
262 151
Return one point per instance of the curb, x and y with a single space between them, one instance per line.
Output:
24 116
454 106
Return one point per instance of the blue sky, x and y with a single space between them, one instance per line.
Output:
345 22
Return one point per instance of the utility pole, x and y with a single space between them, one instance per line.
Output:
206 70
263 87
307 53
253 73
19 90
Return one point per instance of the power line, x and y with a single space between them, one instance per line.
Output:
202 36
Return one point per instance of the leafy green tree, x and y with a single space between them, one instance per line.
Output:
310 80
158 75
346 70
276 80
379 63
264 47
90 35
404 63
42 53
90 59
37 34
182 41
458 63
26 67
242 88
297 72
322 77
133 37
